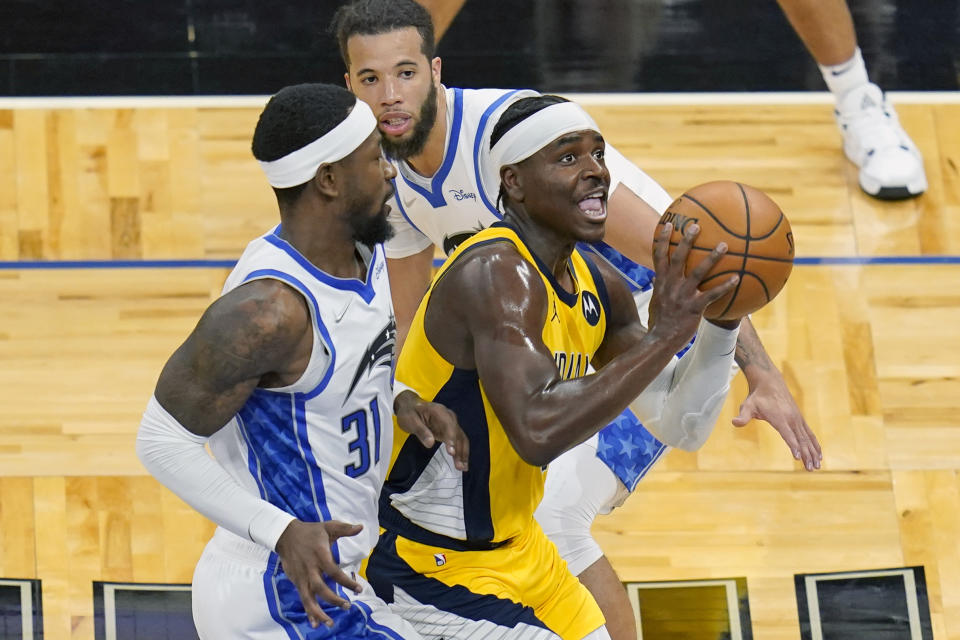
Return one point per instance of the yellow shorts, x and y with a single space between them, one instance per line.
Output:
523 585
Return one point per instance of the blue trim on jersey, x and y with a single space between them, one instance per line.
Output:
272 593
638 277
363 289
317 390
476 149
435 194
302 288
628 449
287 610
313 469
253 460
403 212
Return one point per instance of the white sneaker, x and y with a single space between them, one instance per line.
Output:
891 167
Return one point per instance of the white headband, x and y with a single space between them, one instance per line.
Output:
537 131
301 165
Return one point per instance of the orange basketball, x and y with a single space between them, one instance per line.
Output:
758 236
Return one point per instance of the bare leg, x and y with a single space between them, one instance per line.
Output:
443 12
825 26
602 581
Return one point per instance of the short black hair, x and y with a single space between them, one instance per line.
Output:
373 17
293 118
514 115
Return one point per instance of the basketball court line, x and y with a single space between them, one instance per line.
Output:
15 265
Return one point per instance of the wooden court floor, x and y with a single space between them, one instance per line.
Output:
872 352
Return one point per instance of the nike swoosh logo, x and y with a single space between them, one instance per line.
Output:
835 72
339 315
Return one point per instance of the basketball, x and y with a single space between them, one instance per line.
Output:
758 236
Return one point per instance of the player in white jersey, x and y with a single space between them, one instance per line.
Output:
438 138
288 377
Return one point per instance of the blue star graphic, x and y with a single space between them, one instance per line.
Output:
651 447
605 449
627 446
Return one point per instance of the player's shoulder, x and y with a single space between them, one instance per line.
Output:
489 95
495 269
272 304
478 102
259 316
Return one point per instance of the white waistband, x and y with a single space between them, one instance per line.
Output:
255 554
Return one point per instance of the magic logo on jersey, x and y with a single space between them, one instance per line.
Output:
454 240
379 353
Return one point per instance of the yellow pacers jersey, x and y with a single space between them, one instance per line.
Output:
425 498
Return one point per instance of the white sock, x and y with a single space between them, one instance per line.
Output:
843 77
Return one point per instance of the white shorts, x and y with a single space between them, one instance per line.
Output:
579 487
240 592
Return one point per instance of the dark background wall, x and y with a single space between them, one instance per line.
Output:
187 47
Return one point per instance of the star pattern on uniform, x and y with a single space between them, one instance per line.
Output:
628 448
280 467
652 446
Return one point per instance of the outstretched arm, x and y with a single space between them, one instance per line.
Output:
256 332
631 223
681 405
770 400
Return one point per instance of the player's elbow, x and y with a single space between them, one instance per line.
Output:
537 458
535 449
147 451
693 430
691 445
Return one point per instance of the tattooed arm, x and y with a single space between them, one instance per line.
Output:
259 334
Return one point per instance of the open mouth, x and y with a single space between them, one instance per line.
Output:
594 205
395 124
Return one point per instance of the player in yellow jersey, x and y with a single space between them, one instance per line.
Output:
504 337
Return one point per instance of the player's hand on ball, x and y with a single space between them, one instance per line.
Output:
757 235
304 550
677 302
431 422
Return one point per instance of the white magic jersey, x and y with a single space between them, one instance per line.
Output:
461 198
319 448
